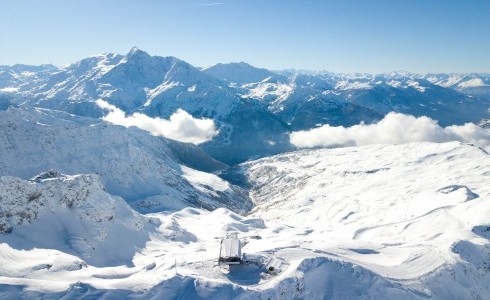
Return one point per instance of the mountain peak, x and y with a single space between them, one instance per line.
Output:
135 52
238 72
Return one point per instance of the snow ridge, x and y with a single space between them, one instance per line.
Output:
72 214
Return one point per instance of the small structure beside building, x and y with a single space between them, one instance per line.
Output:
254 266
252 259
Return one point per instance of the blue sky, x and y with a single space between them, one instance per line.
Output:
341 36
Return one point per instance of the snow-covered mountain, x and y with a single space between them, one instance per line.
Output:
375 222
151 173
158 87
242 73
310 101
302 101
347 99
477 84
23 77
419 97
253 108
306 100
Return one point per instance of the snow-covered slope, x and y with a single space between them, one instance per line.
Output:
145 170
377 222
485 123
313 101
411 94
306 101
72 214
473 83
447 106
122 80
412 212
19 78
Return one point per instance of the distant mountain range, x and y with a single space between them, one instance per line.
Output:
253 108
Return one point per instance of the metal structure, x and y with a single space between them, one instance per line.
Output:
230 252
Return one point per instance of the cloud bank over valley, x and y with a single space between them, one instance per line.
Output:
180 127
394 128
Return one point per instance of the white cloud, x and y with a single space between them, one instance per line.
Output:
395 128
209 4
9 90
181 127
